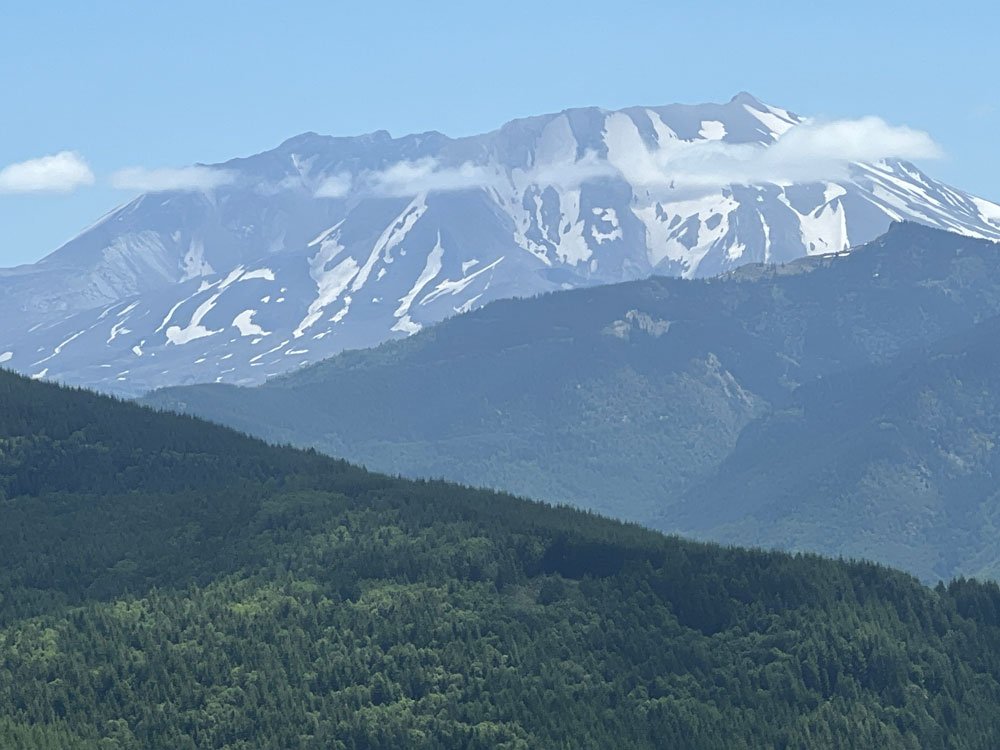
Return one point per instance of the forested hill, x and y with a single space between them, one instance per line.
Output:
169 584
626 398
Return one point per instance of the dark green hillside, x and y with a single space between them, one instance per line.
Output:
625 398
168 584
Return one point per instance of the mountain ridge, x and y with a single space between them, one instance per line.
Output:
331 243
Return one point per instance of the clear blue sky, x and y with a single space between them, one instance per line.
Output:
173 83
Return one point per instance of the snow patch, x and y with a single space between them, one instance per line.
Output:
270 351
456 286
102 316
990 212
342 312
431 269
406 325
669 234
823 230
777 124
194 330
325 233
712 130
59 347
607 216
467 305
170 314
194 264
118 329
664 132
235 275
390 238
261 273
128 309
572 247
330 284
833 191
244 323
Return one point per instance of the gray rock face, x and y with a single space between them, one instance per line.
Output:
325 244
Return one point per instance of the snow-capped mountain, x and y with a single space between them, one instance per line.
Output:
325 244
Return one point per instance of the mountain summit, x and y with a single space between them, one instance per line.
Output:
330 243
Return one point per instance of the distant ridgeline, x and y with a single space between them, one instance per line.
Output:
823 405
165 583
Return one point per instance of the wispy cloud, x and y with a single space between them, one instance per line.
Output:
428 176
811 152
335 186
191 179
570 175
58 173
865 139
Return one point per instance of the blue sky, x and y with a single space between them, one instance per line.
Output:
152 85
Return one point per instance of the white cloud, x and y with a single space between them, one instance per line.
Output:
335 186
427 176
158 180
570 175
809 152
867 139
58 173
269 188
